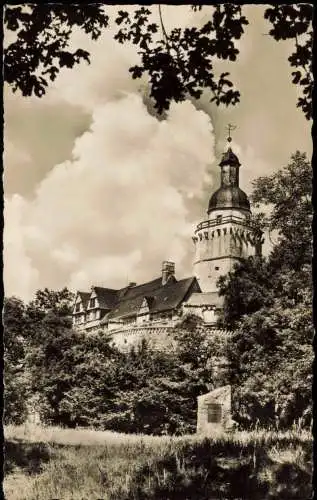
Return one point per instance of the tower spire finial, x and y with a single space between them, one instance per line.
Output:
229 128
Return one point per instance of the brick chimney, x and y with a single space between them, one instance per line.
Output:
168 270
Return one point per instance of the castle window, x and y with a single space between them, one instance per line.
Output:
214 411
92 303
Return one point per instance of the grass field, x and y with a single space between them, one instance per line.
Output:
45 463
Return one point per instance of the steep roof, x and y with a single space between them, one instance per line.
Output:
146 289
126 307
207 298
84 298
159 297
171 295
107 297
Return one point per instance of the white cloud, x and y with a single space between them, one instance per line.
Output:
20 276
119 206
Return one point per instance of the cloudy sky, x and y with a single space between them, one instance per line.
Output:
98 190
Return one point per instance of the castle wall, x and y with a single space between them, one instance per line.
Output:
158 336
161 336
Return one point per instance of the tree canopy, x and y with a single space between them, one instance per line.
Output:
178 64
16 380
268 304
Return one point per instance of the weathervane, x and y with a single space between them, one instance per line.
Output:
230 127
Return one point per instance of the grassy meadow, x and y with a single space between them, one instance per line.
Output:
45 463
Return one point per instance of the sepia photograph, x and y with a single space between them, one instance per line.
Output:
157 251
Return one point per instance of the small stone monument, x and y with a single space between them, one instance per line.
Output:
214 411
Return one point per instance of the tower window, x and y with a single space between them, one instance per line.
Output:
217 268
218 218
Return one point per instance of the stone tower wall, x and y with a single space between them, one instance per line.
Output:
218 247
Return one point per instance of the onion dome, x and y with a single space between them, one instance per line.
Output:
229 197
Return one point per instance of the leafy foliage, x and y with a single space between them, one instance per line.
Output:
294 22
245 289
271 351
288 192
32 333
82 380
42 44
181 63
159 388
75 378
15 375
272 366
178 64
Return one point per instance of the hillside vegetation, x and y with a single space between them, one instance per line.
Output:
51 462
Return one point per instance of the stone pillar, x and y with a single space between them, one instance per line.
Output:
214 411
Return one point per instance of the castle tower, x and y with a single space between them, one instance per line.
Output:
228 235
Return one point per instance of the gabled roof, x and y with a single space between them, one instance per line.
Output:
107 297
126 308
171 295
160 297
207 298
84 296
128 300
145 289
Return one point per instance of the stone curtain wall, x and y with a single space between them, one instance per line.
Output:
161 336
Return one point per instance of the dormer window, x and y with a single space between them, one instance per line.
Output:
92 303
77 307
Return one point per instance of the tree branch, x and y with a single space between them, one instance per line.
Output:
163 27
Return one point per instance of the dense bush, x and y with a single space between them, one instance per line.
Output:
16 383
158 389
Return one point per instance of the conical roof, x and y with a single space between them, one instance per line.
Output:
229 158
